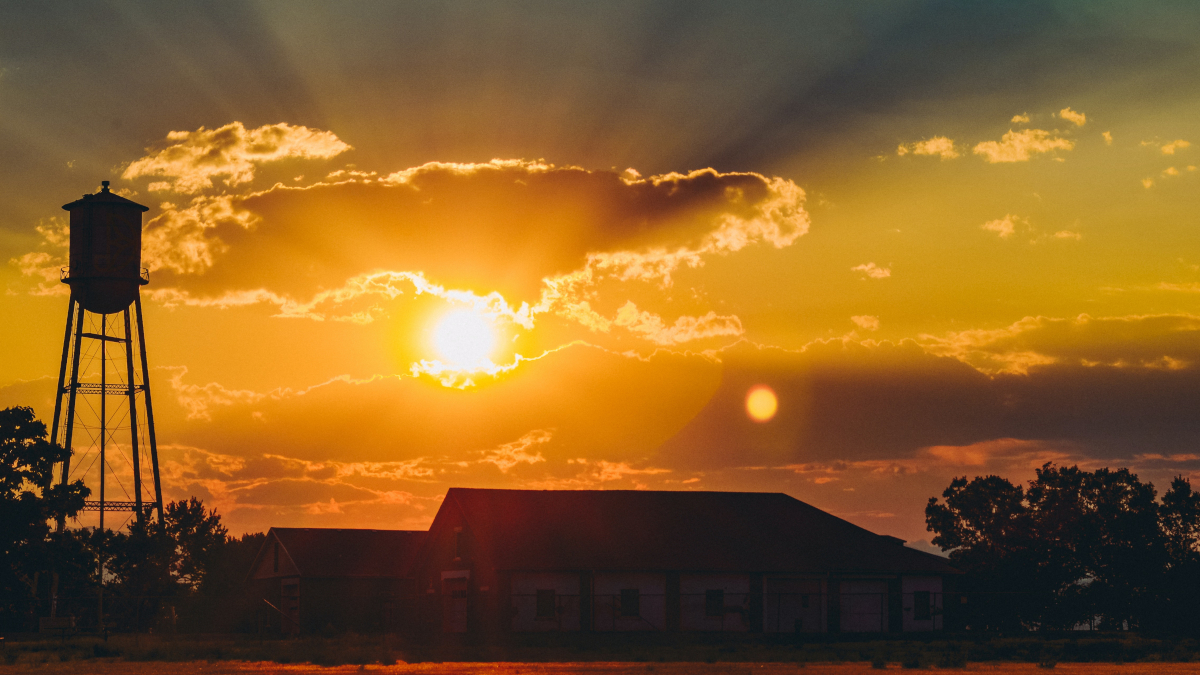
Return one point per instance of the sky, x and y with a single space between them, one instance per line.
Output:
397 247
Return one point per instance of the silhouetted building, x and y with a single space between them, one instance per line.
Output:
614 560
499 561
316 578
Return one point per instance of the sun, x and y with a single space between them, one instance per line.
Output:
465 339
761 403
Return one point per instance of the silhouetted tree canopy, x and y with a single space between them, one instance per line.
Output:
188 557
1075 547
29 506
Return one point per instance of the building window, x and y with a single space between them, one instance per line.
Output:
631 602
546 605
714 602
922 610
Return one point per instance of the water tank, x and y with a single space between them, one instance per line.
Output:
106 251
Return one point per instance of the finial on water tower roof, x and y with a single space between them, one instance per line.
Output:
104 186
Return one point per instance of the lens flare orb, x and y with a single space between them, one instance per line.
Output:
761 403
465 339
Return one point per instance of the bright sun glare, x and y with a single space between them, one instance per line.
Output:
465 339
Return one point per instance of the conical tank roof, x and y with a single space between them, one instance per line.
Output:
104 197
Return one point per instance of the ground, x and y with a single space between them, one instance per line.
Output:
100 667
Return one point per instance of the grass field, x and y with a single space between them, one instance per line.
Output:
105 667
216 654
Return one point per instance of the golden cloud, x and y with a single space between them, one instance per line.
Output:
939 146
1020 146
685 328
866 322
1170 148
1004 227
193 158
1131 342
511 223
872 271
508 455
1074 117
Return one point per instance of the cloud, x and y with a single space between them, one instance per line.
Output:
517 452
610 471
1020 119
1031 453
872 271
194 158
45 265
199 400
1068 235
1108 138
534 229
179 240
940 146
1131 342
558 243
1020 146
866 322
1057 388
685 328
283 485
1076 118
1004 227
1170 148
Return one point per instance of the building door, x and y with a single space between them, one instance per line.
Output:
454 605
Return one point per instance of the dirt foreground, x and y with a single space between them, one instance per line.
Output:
102 667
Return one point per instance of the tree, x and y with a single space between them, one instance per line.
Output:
1180 513
199 540
986 526
1076 546
1180 518
29 503
169 561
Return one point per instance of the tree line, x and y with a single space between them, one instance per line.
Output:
1074 548
186 561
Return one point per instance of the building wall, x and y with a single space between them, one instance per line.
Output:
795 605
911 589
863 605
524 601
695 612
454 562
606 597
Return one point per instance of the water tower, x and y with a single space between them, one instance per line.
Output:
108 418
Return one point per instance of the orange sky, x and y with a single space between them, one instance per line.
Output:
951 240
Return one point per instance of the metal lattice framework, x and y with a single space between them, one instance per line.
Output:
107 421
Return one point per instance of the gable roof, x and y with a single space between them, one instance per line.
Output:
328 552
683 531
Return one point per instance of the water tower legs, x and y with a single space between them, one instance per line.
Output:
86 349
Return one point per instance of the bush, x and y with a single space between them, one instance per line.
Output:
101 650
953 659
